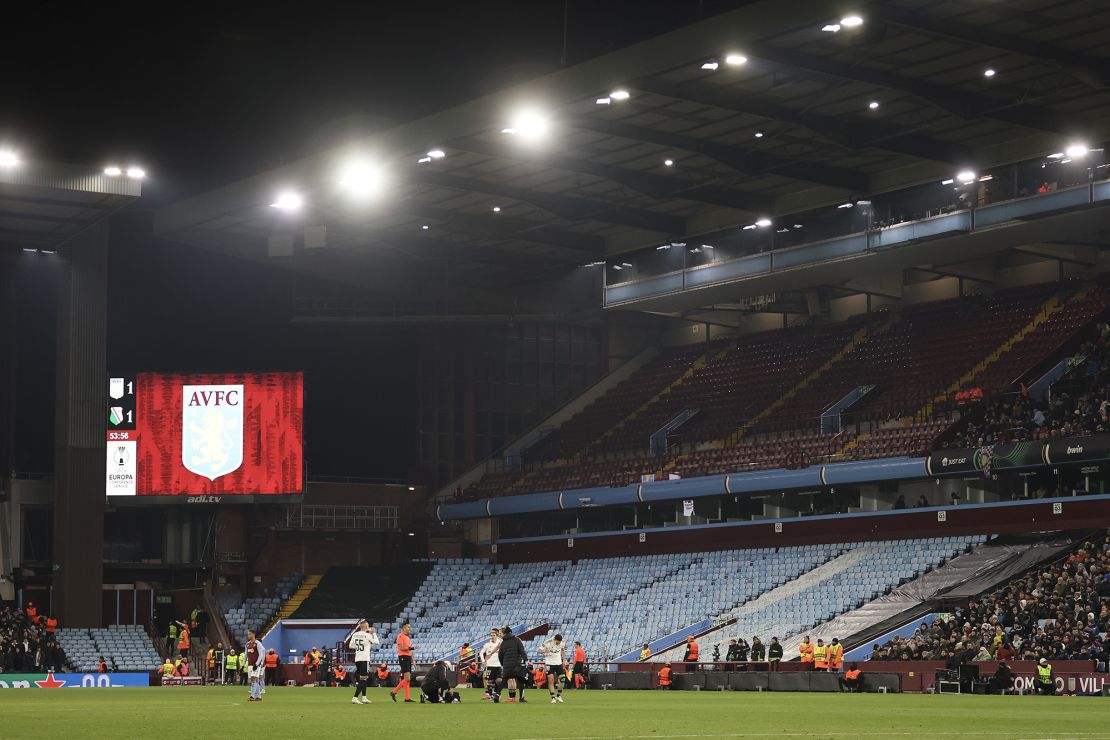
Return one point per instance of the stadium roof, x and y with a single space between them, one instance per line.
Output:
43 204
761 111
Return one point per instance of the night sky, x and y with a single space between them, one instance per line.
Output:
201 95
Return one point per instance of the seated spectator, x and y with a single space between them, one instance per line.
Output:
1056 613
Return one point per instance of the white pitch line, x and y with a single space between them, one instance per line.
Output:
1073 736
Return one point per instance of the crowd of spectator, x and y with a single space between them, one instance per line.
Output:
1079 405
1061 612
27 643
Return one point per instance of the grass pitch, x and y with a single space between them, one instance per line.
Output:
206 712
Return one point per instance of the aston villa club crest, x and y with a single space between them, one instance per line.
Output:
212 429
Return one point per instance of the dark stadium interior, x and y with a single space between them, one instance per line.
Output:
655 325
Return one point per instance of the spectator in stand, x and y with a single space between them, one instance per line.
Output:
922 502
1079 405
900 503
25 643
1057 613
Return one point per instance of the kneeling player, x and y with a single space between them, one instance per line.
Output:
435 687
554 658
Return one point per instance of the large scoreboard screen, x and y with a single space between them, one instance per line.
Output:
212 434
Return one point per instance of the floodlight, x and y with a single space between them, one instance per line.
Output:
527 124
288 201
1075 151
361 179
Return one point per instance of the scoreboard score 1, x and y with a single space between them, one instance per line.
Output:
122 443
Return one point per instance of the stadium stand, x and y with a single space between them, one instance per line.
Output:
1059 612
857 574
256 612
1079 404
584 428
124 648
613 605
759 397
375 594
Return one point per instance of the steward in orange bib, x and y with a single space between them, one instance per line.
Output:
383 675
852 680
665 676
806 650
271 664
183 641
836 655
821 656
340 675
472 674
692 650
539 678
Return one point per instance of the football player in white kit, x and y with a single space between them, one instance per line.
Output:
491 664
362 642
554 653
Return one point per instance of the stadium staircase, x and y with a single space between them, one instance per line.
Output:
858 338
698 364
293 603
1048 308
376 594
256 612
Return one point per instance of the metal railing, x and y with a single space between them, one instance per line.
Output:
342 517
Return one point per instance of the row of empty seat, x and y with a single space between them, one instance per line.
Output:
912 358
614 605
256 612
123 647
